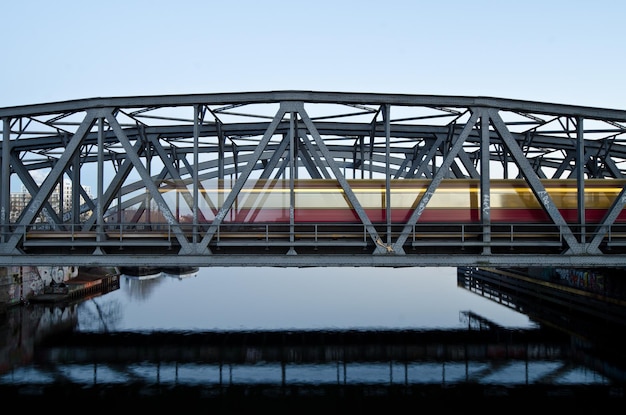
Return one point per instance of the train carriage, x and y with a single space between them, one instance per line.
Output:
454 201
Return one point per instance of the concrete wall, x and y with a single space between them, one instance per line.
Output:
18 284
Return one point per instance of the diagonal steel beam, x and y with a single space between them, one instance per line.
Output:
52 178
354 202
534 182
610 217
316 167
172 171
115 185
185 246
457 144
429 157
230 199
24 174
201 190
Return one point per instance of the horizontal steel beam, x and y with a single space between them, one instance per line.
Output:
313 97
321 261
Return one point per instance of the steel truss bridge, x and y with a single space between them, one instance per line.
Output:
157 180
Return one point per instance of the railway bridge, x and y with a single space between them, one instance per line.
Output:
312 179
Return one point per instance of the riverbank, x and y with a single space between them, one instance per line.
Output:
89 282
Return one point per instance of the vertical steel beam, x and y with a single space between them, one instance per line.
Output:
292 172
485 181
100 184
221 141
580 176
362 156
148 155
76 191
194 173
386 120
5 190
371 149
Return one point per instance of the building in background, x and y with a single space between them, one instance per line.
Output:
21 199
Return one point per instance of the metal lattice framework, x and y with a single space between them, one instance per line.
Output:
136 152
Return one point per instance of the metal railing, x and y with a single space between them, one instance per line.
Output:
303 234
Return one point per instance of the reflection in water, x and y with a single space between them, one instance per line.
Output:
330 346
140 287
103 315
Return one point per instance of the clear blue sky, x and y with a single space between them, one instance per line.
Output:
568 52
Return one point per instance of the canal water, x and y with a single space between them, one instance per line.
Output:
292 299
327 338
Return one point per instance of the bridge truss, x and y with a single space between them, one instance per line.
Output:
157 180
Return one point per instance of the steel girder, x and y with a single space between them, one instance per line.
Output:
134 150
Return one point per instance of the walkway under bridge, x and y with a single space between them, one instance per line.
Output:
301 178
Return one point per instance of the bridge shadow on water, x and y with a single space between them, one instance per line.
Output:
571 361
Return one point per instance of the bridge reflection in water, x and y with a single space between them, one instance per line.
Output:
566 361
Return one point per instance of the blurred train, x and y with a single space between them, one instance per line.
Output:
454 201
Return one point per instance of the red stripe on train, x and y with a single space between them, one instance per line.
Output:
402 216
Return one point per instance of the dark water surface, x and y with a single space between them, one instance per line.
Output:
318 339
288 299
